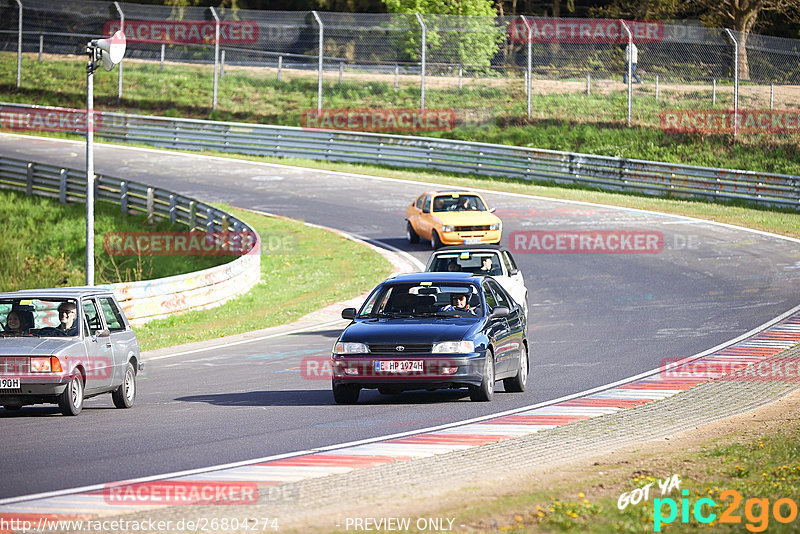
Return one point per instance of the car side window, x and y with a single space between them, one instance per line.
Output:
419 202
491 301
426 207
92 316
509 260
112 315
500 296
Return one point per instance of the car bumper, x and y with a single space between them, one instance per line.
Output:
482 237
439 372
33 393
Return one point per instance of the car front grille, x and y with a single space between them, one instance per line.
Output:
13 365
408 348
472 228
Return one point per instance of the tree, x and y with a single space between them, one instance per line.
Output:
474 40
741 16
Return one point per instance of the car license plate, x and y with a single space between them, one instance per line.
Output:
399 366
9 383
472 241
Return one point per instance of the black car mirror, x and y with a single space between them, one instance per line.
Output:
499 311
349 313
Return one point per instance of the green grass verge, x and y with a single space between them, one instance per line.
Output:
44 241
302 269
763 468
573 121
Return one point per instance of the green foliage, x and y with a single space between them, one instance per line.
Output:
473 41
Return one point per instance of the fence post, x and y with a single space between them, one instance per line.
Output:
341 72
173 208
460 77
29 179
629 62
735 82
319 61
122 29
161 66
280 66
588 83
62 186
19 44
656 87
209 220
216 57
714 92
151 201
41 45
123 197
424 47
192 214
222 65
771 95
529 64
396 77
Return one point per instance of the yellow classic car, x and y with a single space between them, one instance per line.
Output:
452 218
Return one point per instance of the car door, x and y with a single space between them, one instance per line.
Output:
425 219
99 350
498 330
123 340
515 323
516 284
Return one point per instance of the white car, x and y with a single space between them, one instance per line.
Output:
483 259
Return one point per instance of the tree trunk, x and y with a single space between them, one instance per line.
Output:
744 67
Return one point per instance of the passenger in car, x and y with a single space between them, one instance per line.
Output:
66 316
13 322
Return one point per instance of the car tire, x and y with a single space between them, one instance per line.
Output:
413 236
517 383
436 243
485 392
12 407
71 399
125 395
345 393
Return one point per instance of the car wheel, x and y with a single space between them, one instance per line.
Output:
436 243
125 395
12 407
485 392
517 383
345 393
413 237
71 399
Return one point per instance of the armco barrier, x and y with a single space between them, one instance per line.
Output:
608 173
148 299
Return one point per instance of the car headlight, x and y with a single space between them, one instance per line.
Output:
47 364
495 226
448 228
342 347
453 346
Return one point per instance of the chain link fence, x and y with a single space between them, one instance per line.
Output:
343 70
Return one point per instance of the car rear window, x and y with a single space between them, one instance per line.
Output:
464 261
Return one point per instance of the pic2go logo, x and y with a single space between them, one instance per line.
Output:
756 511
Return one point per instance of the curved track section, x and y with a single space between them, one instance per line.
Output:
595 319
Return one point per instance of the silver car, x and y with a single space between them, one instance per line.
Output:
64 345
483 259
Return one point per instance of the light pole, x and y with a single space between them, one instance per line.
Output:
106 52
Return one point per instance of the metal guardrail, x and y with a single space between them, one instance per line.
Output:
564 168
148 299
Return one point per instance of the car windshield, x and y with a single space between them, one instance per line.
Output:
426 299
458 202
40 317
473 262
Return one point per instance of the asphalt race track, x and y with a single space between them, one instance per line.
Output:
594 319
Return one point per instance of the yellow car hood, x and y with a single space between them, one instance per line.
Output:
466 218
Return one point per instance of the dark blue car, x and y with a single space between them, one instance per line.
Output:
432 331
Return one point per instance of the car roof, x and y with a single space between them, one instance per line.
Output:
471 248
429 276
57 292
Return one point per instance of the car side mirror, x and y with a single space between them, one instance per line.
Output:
492 210
426 210
349 313
512 272
499 311
102 333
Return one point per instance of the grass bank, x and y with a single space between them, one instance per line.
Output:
44 245
570 121
302 269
